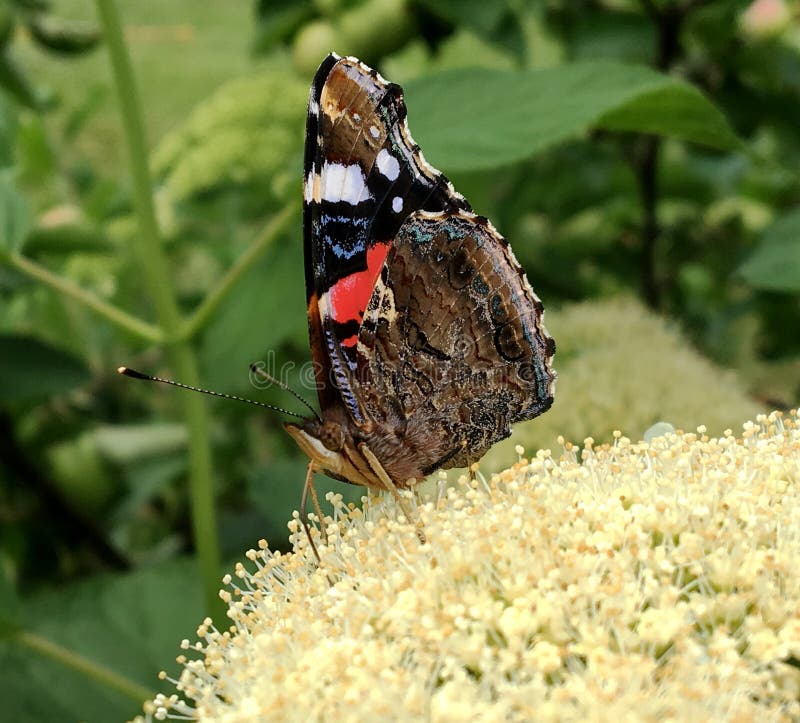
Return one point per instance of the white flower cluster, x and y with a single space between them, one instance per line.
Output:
630 581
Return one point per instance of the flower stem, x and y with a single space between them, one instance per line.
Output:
155 272
116 316
90 669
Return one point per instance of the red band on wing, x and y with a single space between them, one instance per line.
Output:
349 296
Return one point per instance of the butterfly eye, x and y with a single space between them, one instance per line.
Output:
332 436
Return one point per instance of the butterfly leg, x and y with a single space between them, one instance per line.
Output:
309 485
474 473
315 502
389 485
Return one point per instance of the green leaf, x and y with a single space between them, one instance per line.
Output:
674 109
130 443
15 215
516 115
67 37
775 264
262 313
14 80
130 625
31 370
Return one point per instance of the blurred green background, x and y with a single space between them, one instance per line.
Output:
640 155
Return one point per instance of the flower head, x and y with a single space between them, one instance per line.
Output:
657 577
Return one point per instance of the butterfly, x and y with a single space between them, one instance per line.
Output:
427 340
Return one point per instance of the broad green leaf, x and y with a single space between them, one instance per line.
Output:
129 624
674 109
264 310
130 443
31 369
15 216
480 119
775 264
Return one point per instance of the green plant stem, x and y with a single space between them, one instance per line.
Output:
646 168
115 315
261 243
668 21
155 271
77 662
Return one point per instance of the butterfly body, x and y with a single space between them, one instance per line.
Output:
427 340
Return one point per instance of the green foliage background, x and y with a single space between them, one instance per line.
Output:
640 155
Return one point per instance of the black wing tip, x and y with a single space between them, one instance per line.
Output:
324 70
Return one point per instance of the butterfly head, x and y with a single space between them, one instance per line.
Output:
330 447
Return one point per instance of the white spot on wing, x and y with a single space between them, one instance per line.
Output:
308 186
343 183
374 132
397 204
311 187
388 165
313 106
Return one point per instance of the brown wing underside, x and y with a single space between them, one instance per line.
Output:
452 349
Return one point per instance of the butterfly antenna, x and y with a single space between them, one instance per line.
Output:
128 372
255 369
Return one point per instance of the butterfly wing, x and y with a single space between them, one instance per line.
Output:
363 177
452 349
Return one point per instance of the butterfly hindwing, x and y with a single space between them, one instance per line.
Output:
452 349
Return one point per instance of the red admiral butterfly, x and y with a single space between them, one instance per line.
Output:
427 339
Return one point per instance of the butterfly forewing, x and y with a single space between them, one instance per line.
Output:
363 177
